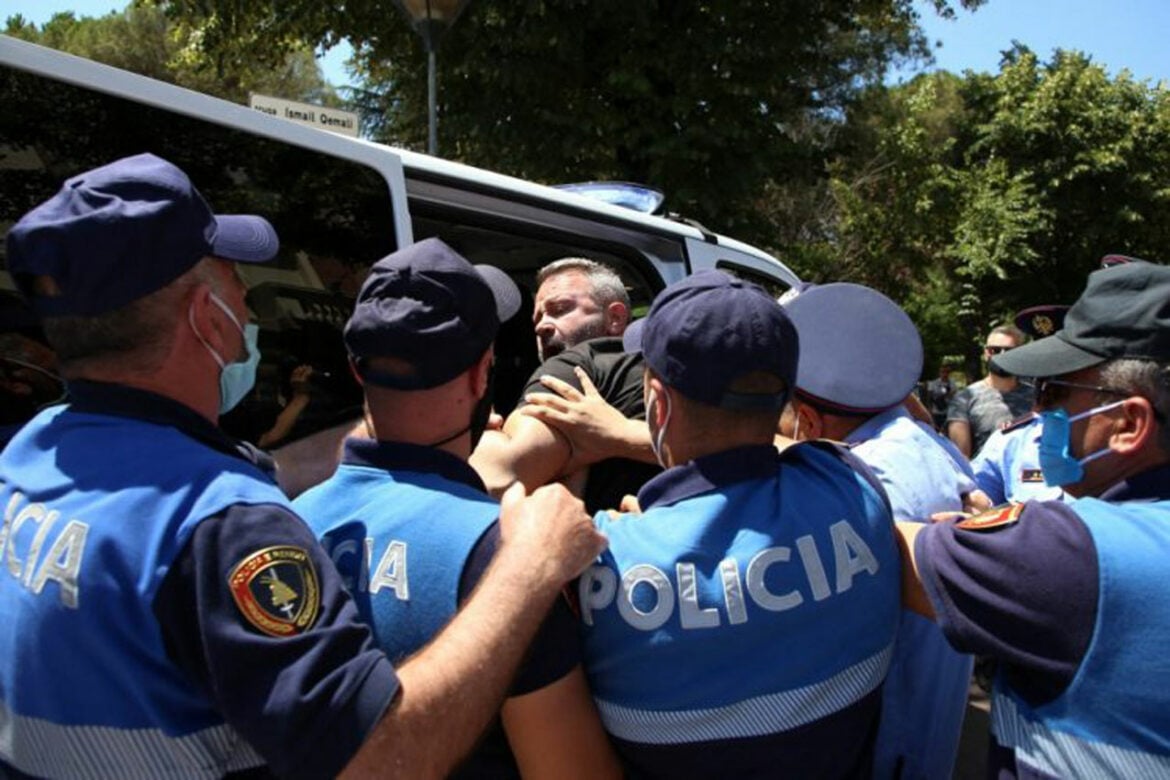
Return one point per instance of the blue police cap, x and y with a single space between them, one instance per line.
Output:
710 329
429 307
632 336
859 352
117 233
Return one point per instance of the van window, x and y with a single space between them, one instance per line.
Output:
334 218
771 285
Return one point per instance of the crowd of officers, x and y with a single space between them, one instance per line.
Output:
776 566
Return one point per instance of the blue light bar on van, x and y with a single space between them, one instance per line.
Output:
619 193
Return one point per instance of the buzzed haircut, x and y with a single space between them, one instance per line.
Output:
606 284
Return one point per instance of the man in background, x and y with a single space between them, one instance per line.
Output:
989 404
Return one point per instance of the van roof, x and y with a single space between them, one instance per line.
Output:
114 81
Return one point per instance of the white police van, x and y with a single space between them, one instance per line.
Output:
338 204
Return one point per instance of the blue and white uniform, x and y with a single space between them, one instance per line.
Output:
1081 688
743 624
198 628
925 695
1007 469
412 529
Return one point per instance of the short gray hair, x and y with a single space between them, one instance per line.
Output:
607 285
135 337
1147 378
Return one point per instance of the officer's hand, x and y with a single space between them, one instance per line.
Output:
595 430
550 530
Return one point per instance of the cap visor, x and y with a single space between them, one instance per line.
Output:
244 238
504 290
1051 356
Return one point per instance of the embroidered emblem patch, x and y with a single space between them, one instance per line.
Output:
1031 475
276 589
992 518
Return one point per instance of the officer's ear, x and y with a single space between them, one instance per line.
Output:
1135 428
810 424
656 404
481 372
207 320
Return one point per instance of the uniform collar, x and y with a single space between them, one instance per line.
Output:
90 397
709 472
874 425
400 456
1150 485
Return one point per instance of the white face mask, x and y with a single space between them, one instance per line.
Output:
660 435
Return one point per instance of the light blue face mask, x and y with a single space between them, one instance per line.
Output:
1059 467
235 379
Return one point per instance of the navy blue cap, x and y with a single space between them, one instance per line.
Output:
117 233
859 352
1124 312
429 307
632 336
504 290
710 329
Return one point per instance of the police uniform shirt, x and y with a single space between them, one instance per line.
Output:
727 635
305 700
925 694
987 409
1007 467
617 375
915 468
384 468
1024 589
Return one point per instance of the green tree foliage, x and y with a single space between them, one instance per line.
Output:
143 40
969 198
717 102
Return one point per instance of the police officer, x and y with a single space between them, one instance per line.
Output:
421 339
742 625
1007 467
1080 639
860 356
166 613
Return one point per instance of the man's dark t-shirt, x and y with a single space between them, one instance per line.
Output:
618 378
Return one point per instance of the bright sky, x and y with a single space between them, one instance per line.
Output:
1118 34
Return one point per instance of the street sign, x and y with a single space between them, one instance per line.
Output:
333 119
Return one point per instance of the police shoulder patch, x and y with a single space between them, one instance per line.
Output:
276 590
997 517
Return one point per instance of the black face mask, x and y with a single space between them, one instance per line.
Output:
994 369
480 414
483 408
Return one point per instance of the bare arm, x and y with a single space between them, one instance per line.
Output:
450 690
555 732
526 451
959 431
594 428
914 595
